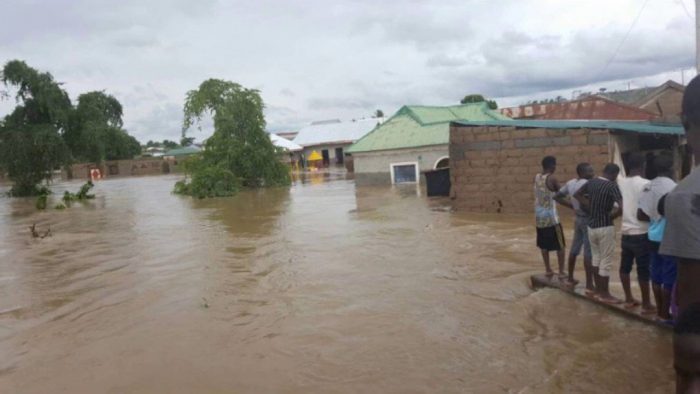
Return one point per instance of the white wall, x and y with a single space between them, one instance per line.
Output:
376 163
331 150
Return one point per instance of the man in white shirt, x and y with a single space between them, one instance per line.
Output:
634 234
682 234
584 172
662 267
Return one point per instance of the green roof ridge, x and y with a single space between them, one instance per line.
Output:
425 129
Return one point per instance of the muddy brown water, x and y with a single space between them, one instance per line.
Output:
322 287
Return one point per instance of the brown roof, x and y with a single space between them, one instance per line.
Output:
588 108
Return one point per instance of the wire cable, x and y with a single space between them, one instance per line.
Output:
612 58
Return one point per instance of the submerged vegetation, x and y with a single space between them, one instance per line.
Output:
45 131
239 153
68 197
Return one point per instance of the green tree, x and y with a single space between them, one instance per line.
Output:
186 141
239 152
31 146
96 125
167 144
478 98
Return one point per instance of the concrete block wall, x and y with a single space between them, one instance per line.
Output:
492 169
124 168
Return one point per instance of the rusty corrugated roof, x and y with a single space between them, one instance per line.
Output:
588 108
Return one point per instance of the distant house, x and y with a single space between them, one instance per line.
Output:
592 107
332 137
663 100
292 150
289 135
284 143
415 139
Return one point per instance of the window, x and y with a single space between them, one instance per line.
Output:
404 172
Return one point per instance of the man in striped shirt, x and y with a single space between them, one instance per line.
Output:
599 197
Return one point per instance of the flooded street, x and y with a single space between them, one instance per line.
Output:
322 287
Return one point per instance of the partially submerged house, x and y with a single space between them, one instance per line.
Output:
292 151
331 138
492 164
592 107
413 140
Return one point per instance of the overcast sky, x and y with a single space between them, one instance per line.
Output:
315 60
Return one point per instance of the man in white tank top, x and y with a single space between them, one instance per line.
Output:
550 236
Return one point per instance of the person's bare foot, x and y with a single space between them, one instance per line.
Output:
631 304
590 293
648 310
608 299
571 282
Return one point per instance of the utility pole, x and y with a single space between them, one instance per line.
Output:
697 36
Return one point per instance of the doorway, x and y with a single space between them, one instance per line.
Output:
339 156
326 157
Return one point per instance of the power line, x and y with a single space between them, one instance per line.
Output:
634 23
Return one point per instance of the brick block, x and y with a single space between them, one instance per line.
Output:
542 142
536 133
579 139
598 139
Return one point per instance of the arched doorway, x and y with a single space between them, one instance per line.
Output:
442 162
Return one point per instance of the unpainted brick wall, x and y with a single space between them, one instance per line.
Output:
492 169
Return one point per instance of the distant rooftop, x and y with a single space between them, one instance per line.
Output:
284 143
184 151
335 132
638 97
419 125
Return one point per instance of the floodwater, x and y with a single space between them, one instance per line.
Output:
323 287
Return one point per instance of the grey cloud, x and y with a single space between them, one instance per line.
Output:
320 103
287 92
314 60
163 121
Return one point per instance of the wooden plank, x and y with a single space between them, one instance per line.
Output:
541 280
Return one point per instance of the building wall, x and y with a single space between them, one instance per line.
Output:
374 167
492 168
670 103
331 150
118 168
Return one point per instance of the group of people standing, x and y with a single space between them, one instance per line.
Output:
660 234
597 201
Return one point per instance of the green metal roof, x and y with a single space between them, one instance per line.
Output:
414 126
187 150
635 127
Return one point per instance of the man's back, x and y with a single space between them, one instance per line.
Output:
631 189
602 195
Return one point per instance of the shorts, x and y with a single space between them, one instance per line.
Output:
581 238
602 248
635 247
550 238
663 270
